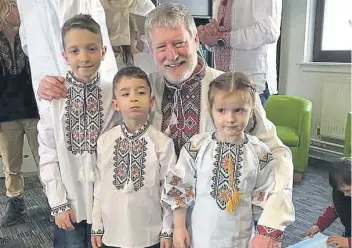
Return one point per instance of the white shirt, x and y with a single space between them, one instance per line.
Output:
41 22
68 132
264 130
131 171
201 181
141 60
255 30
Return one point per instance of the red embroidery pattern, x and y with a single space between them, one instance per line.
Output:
270 232
188 123
261 196
223 54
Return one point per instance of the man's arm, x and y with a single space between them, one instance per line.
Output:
265 31
265 130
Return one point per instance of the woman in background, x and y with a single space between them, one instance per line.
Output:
18 111
129 55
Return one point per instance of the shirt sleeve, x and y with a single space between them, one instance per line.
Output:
265 31
49 164
281 197
97 220
272 208
327 218
179 188
167 158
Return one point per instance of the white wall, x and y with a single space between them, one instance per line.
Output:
297 76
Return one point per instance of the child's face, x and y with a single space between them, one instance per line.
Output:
346 190
83 53
231 114
133 99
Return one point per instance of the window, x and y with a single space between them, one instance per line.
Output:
333 31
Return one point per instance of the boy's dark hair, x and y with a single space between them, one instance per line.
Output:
130 72
81 21
340 173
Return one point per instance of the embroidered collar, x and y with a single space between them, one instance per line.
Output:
71 80
246 139
140 131
197 77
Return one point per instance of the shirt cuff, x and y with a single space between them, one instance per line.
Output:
272 233
97 232
59 209
166 234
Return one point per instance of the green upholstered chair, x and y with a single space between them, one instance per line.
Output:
292 118
347 145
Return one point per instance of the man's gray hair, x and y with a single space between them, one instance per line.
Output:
170 16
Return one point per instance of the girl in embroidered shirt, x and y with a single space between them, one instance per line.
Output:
222 175
340 181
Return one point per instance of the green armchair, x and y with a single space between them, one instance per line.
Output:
347 145
292 118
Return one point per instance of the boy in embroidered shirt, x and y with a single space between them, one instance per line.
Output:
132 162
224 176
68 133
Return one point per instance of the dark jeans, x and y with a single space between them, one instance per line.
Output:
153 246
78 238
265 95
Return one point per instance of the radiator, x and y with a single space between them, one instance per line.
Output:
336 103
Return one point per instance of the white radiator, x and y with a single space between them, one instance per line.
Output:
336 103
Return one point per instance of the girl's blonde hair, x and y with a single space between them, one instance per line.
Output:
231 82
5 9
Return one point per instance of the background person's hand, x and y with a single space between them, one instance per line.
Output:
52 87
312 231
65 219
338 241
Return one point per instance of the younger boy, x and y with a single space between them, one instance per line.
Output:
132 162
68 132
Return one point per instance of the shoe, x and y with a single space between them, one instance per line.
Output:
14 212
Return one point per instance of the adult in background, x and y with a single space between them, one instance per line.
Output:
182 110
18 111
243 35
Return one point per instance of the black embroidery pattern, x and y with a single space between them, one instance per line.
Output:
265 159
129 158
83 116
221 189
60 209
98 232
166 235
193 151
13 63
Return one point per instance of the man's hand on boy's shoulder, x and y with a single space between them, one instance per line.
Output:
165 243
52 87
